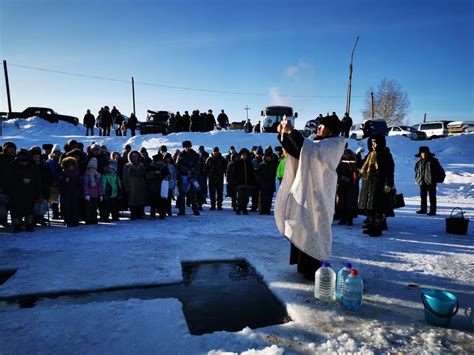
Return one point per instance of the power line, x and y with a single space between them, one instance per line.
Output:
170 86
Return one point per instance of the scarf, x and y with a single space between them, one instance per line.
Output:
370 165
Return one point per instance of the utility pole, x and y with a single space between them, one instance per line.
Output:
372 107
247 108
349 85
424 118
133 96
7 84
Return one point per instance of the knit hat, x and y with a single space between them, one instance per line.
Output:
23 155
244 151
35 150
92 163
259 150
47 146
187 144
332 123
112 165
7 145
424 149
215 149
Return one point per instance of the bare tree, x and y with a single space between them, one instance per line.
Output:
390 103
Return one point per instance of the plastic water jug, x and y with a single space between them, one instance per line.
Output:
353 289
325 283
341 279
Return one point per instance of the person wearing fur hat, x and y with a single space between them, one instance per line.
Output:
6 157
92 190
215 168
428 173
112 192
23 187
187 167
304 207
266 174
244 179
134 185
377 173
70 187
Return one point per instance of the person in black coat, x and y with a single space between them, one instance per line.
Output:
195 121
244 179
89 122
132 124
230 173
46 177
427 173
223 120
215 168
106 121
210 121
347 191
266 175
346 125
377 172
70 190
23 186
188 166
186 122
6 157
156 172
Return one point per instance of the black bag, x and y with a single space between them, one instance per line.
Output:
399 201
440 174
457 225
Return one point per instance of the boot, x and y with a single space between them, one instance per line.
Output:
421 211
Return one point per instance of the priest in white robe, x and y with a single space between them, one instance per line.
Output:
304 207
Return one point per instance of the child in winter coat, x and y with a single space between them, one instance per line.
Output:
70 186
112 191
92 191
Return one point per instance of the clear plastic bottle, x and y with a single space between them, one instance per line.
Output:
325 283
353 290
341 279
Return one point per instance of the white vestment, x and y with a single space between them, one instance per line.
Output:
304 206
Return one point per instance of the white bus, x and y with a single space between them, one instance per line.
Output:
271 117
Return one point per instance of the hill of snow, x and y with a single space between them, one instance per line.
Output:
414 254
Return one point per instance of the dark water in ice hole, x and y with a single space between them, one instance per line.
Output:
216 295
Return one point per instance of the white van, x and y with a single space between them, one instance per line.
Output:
273 115
434 129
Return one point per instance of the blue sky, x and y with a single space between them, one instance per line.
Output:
273 52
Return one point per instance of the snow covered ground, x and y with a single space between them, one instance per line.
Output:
414 254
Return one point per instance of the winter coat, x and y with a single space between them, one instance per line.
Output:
134 183
70 187
23 186
223 120
210 122
281 168
89 120
194 122
172 175
111 185
132 122
105 119
188 161
426 171
266 175
55 173
46 179
244 173
202 162
215 167
5 161
347 183
185 123
155 175
92 177
304 207
372 196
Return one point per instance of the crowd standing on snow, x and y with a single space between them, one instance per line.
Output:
108 121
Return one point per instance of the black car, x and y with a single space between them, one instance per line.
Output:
156 122
44 112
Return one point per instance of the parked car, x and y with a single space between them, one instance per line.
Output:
156 122
406 131
457 127
368 128
434 129
44 112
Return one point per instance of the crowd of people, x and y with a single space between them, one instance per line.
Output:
92 184
108 121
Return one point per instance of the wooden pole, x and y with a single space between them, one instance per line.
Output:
133 95
349 85
8 86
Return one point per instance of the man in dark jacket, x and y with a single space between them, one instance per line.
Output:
244 179
187 167
6 157
89 122
266 175
195 121
106 121
223 120
215 168
132 124
346 125
210 121
23 183
428 172
186 122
